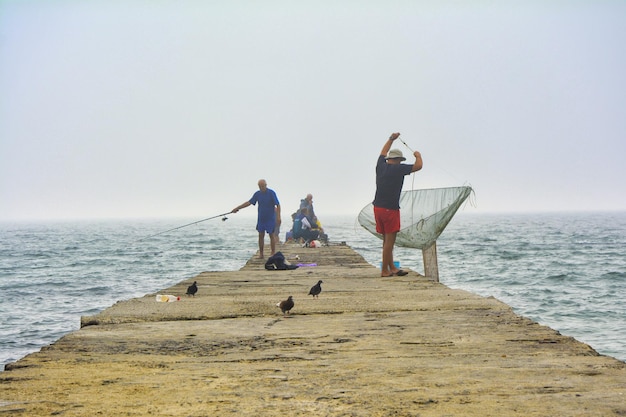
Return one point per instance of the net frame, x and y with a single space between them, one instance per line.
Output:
424 214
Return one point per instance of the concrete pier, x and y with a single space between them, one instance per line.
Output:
368 346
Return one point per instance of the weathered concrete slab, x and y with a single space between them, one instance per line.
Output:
402 346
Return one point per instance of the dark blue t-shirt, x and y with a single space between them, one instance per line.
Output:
267 201
389 181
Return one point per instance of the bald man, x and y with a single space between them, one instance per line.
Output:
268 220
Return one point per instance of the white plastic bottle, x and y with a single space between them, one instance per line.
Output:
166 298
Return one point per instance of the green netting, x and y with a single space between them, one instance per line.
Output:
424 214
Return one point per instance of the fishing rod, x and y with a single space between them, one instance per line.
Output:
223 216
407 146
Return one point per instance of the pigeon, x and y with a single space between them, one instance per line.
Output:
316 289
286 305
192 289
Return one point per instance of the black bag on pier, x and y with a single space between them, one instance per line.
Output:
277 262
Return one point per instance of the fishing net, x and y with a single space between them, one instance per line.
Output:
424 215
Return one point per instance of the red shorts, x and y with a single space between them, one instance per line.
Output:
387 220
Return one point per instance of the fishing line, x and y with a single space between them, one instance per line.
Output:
223 216
412 180
435 166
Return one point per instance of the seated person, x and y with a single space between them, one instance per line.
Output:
307 203
303 226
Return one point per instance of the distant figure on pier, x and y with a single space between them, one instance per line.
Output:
390 172
307 203
304 227
268 219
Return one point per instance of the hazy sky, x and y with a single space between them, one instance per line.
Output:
176 108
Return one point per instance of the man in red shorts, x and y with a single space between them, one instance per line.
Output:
390 172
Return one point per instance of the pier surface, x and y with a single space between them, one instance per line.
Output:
368 346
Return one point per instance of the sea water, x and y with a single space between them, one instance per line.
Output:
566 271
